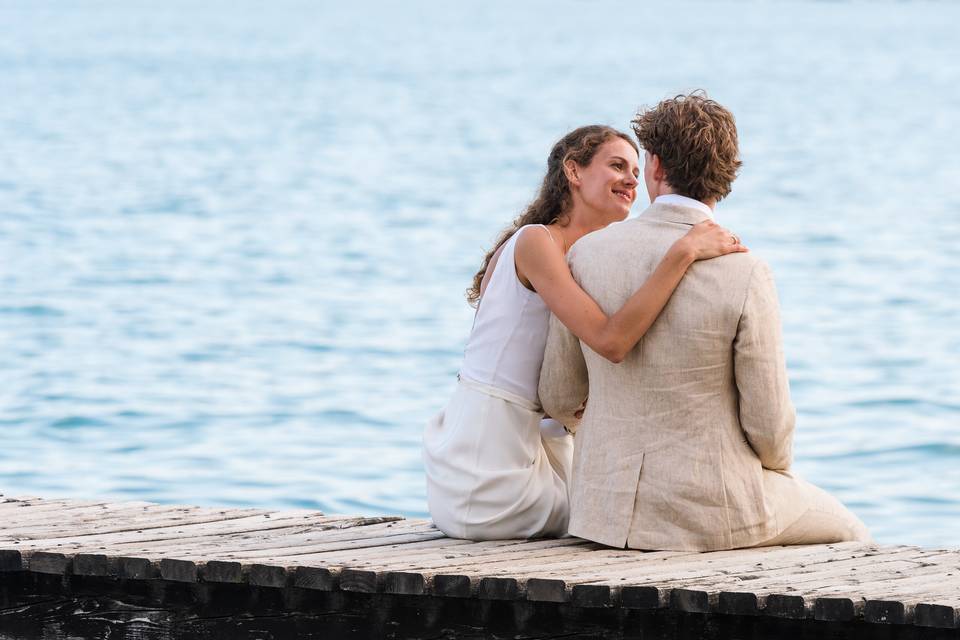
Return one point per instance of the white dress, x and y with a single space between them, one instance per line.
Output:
492 472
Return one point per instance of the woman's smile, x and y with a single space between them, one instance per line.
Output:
625 194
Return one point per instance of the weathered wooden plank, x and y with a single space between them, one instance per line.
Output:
711 574
436 557
644 597
48 562
178 570
693 575
452 586
942 616
292 556
209 531
300 555
775 592
498 589
219 571
354 555
318 578
839 597
335 560
573 563
132 568
547 590
10 560
591 595
430 577
221 553
837 609
152 518
901 600
418 540
548 587
691 600
263 575
694 566
648 569
404 583
29 508
91 564
359 580
263 553
836 598
84 518
273 542
832 570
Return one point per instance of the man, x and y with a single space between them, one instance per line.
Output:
687 444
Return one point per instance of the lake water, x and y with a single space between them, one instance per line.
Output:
234 237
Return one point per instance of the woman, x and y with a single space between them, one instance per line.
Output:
491 472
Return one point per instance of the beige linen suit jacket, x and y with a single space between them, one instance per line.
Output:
686 444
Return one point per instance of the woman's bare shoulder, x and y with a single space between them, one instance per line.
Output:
537 241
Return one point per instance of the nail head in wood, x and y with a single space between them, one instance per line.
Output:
885 612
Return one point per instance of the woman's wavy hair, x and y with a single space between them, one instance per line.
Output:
696 140
554 201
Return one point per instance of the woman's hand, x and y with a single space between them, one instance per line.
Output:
708 240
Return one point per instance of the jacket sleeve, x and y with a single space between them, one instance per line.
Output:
767 416
563 376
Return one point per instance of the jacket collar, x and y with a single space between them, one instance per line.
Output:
673 213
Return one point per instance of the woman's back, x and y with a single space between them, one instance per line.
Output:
505 348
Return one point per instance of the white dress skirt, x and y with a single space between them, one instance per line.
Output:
492 474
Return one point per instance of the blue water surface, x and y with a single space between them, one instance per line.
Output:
234 236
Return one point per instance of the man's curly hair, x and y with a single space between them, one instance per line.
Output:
696 141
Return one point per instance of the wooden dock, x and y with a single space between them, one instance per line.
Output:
307 551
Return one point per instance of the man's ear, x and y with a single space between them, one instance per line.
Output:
570 170
658 173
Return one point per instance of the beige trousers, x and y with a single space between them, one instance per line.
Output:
826 520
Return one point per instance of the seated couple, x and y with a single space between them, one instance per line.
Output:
655 340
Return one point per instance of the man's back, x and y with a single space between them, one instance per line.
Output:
685 444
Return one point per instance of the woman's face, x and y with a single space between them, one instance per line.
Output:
609 183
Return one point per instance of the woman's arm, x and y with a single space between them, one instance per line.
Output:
543 263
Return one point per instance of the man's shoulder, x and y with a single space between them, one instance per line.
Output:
743 262
630 235
602 241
